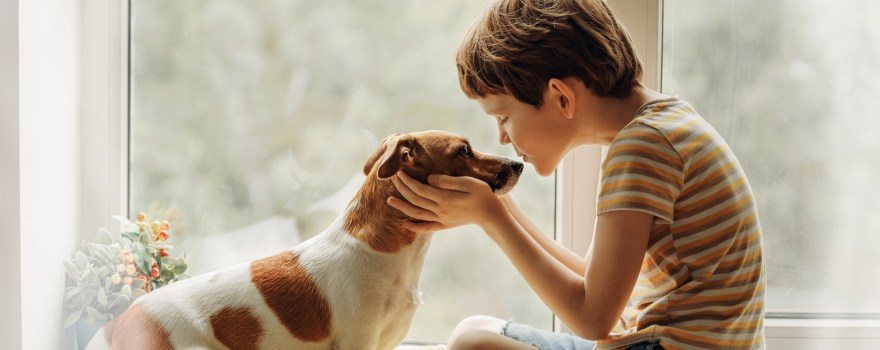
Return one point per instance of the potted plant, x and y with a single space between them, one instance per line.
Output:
106 275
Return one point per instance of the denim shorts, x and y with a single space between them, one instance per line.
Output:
545 340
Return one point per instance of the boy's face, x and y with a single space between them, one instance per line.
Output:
541 136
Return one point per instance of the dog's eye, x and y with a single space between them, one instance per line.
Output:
465 151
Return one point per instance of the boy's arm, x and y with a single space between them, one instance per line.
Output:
573 261
590 304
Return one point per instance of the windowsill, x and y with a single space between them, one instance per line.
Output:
822 328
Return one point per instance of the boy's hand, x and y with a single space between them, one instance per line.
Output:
446 202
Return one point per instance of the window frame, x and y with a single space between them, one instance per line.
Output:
10 182
106 47
105 113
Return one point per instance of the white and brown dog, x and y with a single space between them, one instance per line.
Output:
353 286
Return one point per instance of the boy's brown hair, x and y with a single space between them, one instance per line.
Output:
517 46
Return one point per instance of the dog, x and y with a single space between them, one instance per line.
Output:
353 286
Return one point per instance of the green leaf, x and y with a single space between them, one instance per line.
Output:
137 293
126 290
179 269
104 236
115 250
120 299
132 236
71 320
72 271
85 274
94 314
141 256
104 270
138 283
94 278
81 260
170 262
99 251
145 238
102 297
70 293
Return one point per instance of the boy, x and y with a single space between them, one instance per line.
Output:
675 261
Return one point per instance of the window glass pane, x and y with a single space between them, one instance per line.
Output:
792 85
251 122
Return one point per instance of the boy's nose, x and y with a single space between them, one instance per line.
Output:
503 138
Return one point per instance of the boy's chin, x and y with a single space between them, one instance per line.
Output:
544 170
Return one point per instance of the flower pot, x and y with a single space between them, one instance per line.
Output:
84 332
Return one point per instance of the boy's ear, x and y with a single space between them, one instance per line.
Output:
563 95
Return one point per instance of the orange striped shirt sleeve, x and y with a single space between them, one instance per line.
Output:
642 172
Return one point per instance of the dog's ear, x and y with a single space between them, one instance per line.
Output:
394 151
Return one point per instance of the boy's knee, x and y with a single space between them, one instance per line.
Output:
475 323
474 340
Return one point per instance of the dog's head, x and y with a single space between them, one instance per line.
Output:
422 153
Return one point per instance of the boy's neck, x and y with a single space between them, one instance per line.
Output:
611 114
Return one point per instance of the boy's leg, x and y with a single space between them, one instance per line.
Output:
482 332
478 340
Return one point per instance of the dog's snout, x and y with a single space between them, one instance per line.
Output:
518 167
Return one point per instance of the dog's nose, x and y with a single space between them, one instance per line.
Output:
518 167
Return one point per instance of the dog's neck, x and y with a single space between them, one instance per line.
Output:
371 220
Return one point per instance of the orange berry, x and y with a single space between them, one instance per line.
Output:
155 272
141 217
155 226
163 252
127 280
163 235
165 226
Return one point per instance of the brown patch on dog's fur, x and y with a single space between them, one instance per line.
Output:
237 328
136 329
376 223
293 296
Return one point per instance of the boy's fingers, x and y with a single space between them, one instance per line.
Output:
455 183
425 226
411 196
411 210
418 187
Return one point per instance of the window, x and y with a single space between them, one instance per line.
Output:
251 121
792 86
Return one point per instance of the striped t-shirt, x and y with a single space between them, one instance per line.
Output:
701 284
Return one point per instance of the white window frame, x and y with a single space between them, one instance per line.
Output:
106 106
10 184
105 111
